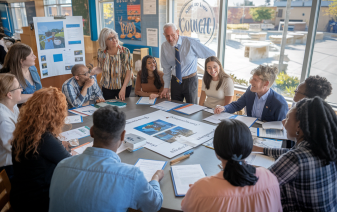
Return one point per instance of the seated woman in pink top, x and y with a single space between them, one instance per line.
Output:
239 186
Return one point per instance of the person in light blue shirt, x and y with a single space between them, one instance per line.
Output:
97 180
260 100
179 57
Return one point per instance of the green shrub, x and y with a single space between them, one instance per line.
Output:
287 84
239 81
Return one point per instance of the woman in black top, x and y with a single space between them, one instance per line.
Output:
36 150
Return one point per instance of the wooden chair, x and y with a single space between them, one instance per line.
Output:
237 95
5 188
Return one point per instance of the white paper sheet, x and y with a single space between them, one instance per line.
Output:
78 133
166 133
216 118
166 105
249 121
277 125
253 130
73 119
209 144
80 149
84 111
146 101
271 133
209 110
150 7
152 37
184 175
149 167
190 109
260 160
122 147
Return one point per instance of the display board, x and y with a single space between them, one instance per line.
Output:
169 134
60 44
128 19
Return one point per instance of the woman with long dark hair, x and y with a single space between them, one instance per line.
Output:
149 80
238 186
307 173
217 86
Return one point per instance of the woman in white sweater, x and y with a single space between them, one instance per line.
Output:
10 95
217 86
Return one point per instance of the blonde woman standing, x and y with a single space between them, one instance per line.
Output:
114 62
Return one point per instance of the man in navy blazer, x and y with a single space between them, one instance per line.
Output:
259 99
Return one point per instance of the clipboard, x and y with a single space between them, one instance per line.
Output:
138 102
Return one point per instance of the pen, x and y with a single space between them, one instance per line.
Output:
185 156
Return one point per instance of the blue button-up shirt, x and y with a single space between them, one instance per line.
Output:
30 89
72 91
259 105
97 181
190 49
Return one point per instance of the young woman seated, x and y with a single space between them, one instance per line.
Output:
36 149
307 173
238 186
217 86
149 80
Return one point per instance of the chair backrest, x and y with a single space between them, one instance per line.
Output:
5 188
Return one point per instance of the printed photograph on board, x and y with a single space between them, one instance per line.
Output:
154 127
51 35
78 59
45 72
172 134
44 65
43 58
78 52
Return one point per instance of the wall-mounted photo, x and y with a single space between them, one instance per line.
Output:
45 72
44 65
51 35
68 67
78 59
78 52
43 58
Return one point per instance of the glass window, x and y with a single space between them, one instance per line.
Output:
254 36
197 19
106 14
58 7
19 16
324 58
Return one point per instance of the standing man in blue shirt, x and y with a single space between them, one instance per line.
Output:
179 57
260 100
97 180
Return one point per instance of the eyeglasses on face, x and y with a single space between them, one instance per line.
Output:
85 74
296 91
16 89
112 38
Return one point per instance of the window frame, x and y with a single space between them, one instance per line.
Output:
99 8
23 15
58 7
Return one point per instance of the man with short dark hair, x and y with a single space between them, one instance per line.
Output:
97 180
82 89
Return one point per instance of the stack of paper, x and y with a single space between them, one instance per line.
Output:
217 118
146 101
80 149
84 111
260 160
209 110
189 109
149 167
277 125
166 106
267 143
184 175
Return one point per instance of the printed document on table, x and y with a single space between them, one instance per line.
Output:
277 125
184 175
216 118
166 105
209 110
149 167
267 143
84 111
189 109
73 119
272 133
78 133
249 121
260 160
146 101
80 149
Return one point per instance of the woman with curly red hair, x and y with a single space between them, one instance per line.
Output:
36 150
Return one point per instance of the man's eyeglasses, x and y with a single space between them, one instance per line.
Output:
85 74
296 91
112 38
16 89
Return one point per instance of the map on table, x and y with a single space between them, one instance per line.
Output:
169 134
